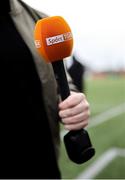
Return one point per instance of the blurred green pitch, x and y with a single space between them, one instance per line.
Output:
102 94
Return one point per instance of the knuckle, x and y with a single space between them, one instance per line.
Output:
82 96
87 114
87 105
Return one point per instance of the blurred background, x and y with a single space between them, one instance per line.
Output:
97 66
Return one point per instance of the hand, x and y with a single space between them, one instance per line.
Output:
74 111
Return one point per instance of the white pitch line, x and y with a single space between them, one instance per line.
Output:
95 168
109 114
103 117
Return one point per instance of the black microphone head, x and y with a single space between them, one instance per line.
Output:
78 146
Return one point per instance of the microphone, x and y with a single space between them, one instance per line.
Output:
54 42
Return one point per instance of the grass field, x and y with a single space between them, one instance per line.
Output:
115 170
103 94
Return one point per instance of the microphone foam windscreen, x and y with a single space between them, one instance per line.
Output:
53 38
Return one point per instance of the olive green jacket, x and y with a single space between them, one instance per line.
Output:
25 18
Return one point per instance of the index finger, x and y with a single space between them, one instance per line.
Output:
71 101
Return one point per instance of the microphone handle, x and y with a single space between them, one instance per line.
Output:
61 78
77 143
